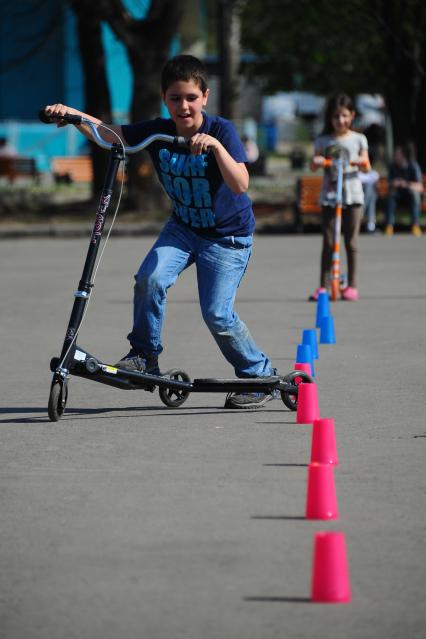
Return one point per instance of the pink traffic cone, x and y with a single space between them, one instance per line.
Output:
321 500
303 366
324 449
330 570
307 403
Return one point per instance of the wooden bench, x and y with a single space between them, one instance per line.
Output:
13 168
72 169
308 189
77 169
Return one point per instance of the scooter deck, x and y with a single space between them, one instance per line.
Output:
174 386
125 379
238 381
235 384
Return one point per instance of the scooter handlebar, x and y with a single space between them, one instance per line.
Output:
361 164
68 118
183 142
78 119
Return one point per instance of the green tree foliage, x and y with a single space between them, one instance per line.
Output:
375 46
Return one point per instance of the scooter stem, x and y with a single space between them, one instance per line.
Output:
335 263
85 285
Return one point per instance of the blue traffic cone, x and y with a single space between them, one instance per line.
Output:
323 307
304 356
327 334
309 336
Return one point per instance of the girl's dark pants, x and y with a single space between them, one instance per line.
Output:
351 222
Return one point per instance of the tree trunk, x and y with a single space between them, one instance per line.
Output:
147 42
405 85
145 192
229 39
420 137
148 53
96 88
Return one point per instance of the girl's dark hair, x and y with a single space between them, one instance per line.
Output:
337 101
186 68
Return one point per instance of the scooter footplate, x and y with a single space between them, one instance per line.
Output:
236 381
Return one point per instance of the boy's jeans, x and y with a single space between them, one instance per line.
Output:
220 266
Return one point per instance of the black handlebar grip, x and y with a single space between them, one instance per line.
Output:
43 117
73 119
181 141
68 117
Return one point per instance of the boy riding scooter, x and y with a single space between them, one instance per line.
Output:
211 225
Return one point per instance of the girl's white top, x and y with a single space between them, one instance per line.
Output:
349 147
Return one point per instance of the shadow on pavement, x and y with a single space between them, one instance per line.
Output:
92 413
278 599
279 517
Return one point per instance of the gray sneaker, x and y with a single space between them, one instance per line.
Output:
137 362
247 400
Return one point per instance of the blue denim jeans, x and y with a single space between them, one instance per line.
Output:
370 200
220 264
409 198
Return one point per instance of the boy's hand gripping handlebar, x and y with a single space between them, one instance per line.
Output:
69 118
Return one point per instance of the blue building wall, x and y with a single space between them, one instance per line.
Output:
29 70
40 64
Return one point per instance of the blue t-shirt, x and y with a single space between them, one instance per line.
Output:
201 199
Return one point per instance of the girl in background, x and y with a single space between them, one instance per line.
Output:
338 139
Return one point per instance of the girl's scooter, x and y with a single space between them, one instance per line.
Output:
339 163
174 385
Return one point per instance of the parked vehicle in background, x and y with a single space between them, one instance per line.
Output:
285 112
374 121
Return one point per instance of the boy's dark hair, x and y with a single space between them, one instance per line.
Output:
337 101
186 68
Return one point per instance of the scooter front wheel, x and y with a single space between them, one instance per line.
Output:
57 400
173 398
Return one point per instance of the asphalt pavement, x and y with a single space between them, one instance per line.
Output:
128 519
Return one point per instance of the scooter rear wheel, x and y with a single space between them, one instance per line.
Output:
57 400
173 398
295 377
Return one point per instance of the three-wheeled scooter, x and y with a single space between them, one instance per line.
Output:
175 385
